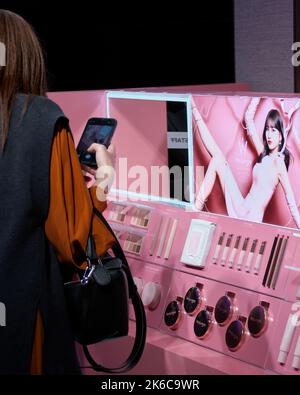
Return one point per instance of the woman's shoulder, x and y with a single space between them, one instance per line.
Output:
38 103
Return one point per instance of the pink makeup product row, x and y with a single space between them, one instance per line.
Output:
163 237
221 314
236 257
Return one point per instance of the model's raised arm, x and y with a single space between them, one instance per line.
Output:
251 128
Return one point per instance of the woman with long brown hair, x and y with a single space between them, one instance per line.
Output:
46 210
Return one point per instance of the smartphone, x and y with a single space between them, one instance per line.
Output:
97 130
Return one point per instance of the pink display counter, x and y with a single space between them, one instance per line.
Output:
220 285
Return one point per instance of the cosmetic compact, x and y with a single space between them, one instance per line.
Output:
224 308
203 323
151 295
258 319
235 334
118 211
198 242
173 313
133 243
193 299
141 216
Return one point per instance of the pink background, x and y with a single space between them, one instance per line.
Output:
141 138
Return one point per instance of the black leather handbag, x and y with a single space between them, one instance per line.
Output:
98 303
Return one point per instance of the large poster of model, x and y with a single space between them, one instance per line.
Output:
249 148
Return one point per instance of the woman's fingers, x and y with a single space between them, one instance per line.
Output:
88 170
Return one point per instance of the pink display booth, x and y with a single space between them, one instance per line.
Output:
213 244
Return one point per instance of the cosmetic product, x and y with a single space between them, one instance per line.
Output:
140 217
163 236
259 257
198 242
233 252
193 299
235 334
203 323
173 313
275 261
118 212
242 253
155 237
258 319
224 308
171 238
250 255
276 274
287 338
296 359
139 284
270 261
226 249
133 243
151 295
218 248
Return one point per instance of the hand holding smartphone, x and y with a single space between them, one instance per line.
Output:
97 130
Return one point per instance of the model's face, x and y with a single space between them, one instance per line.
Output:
273 135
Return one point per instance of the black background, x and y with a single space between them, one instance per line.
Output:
96 45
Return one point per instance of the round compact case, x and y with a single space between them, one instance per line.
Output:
235 334
193 299
203 323
151 295
258 319
224 308
173 313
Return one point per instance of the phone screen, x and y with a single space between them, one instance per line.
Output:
100 134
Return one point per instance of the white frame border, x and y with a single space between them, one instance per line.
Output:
161 97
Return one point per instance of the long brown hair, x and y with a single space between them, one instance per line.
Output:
25 70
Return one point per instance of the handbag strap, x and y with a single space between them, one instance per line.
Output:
140 316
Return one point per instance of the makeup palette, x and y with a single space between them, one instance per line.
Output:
193 299
140 217
204 323
198 243
235 334
224 308
258 319
173 313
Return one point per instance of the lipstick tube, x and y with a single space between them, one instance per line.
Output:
259 257
218 248
296 360
250 256
287 339
226 249
233 252
242 254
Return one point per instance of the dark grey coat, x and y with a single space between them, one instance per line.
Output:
30 276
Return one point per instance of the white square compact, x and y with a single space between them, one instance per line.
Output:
198 242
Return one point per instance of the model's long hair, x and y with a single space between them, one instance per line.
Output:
24 71
275 116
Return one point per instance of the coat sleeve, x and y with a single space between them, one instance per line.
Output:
70 216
